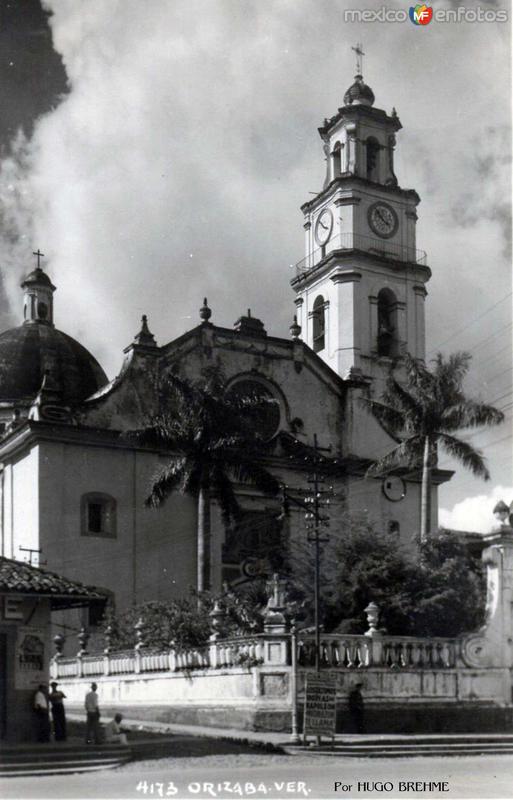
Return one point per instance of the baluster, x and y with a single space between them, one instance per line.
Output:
351 654
447 654
364 654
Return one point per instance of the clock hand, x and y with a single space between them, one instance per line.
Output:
321 223
382 218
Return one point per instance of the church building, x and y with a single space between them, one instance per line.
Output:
73 485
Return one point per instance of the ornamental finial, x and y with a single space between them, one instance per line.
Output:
295 329
205 312
145 336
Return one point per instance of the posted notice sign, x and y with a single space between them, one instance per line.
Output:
320 705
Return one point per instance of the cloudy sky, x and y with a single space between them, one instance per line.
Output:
159 151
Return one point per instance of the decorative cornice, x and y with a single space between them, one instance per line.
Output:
347 201
420 290
411 215
356 112
342 181
346 276
299 301
307 226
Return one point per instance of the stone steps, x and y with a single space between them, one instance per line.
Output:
49 759
408 747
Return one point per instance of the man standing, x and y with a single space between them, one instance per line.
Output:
41 713
93 716
58 715
356 710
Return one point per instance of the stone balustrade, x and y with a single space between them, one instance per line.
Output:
338 651
357 651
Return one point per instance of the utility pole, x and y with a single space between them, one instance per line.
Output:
315 520
313 505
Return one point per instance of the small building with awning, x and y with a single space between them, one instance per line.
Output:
28 595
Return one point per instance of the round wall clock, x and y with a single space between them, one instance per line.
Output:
383 219
323 226
394 488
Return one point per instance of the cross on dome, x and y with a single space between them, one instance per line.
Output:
39 255
359 57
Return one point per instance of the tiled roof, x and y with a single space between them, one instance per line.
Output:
17 577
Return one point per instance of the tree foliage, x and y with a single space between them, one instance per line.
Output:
441 592
422 413
211 441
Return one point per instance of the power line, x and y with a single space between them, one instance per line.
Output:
469 325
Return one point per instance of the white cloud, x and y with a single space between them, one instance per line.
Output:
190 128
475 513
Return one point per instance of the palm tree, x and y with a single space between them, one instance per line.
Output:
422 414
212 444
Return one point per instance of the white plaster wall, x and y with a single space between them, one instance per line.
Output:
153 554
20 499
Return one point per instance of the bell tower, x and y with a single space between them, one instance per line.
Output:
360 288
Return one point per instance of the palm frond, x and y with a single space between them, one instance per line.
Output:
246 470
411 407
470 414
165 481
407 454
462 451
385 413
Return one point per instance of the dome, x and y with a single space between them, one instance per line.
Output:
39 278
28 351
359 93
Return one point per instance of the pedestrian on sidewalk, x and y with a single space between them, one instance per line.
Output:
114 734
356 708
42 720
56 698
93 716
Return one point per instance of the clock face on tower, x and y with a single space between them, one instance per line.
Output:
323 226
383 219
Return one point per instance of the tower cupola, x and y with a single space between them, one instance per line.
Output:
38 296
359 93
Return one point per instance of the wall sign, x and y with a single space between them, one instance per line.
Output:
320 705
31 662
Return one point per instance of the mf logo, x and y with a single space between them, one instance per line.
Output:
421 14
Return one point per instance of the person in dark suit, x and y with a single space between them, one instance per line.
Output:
356 708
56 698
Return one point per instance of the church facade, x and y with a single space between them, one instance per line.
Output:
73 484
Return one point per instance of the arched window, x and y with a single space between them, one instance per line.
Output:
319 324
98 515
373 150
337 159
387 323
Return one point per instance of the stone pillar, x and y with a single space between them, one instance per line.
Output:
492 645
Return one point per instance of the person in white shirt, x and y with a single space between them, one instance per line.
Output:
40 705
113 732
93 716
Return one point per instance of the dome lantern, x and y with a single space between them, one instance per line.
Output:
38 295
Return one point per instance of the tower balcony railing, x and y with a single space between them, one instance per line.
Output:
383 248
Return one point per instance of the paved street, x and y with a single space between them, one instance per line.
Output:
203 768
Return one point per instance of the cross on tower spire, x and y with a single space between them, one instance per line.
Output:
359 57
39 256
